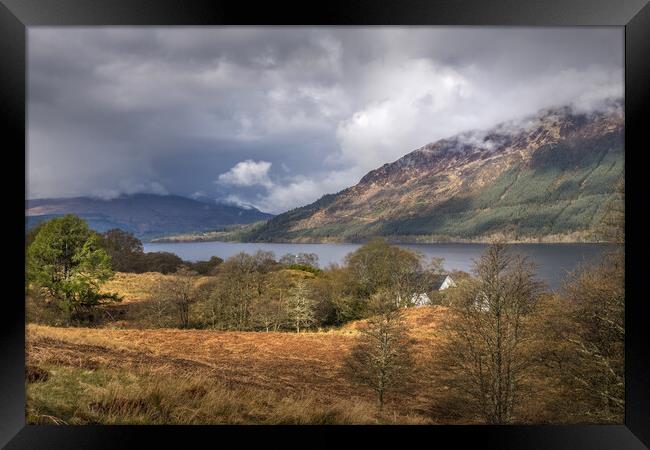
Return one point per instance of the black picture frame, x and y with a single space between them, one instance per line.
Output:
634 15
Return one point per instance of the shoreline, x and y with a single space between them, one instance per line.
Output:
391 241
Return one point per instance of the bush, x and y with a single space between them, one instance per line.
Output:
305 268
205 267
163 262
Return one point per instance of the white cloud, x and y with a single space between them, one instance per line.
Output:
297 191
405 104
233 199
130 187
199 194
277 197
247 173
419 102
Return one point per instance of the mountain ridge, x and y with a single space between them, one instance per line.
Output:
545 178
145 215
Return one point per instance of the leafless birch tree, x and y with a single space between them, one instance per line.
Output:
381 358
488 332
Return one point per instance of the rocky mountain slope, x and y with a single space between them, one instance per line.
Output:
145 215
545 178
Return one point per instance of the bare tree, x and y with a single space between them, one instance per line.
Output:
247 293
381 359
239 284
263 313
179 290
300 306
596 299
488 330
159 308
305 259
269 311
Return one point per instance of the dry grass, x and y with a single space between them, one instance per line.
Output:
281 377
138 287
77 396
134 287
126 374
137 292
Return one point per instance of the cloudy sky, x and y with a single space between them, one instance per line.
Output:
276 117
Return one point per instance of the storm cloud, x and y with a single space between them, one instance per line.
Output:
276 117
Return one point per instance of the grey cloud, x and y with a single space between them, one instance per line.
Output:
122 109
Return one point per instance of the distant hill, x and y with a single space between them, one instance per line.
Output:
545 178
145 215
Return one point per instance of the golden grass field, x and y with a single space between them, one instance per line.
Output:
110 375
135 288
124 375
300 372
118 373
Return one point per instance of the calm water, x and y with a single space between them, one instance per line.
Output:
553 260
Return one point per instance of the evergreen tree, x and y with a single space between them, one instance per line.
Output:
65 258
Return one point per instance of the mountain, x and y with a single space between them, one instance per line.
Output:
546 178
145 215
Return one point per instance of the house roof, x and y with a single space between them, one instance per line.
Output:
439 279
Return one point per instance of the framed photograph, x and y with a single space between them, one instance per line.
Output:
306 225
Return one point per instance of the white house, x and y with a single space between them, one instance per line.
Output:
447 282
442 283
420 299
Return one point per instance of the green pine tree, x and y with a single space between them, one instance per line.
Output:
65 259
